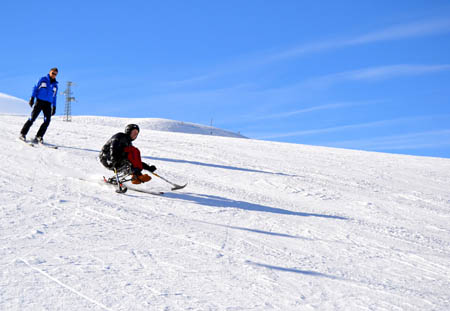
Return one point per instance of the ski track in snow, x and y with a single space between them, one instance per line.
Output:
260 226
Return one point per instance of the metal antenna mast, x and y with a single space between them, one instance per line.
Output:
69 99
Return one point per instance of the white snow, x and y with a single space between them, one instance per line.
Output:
260 226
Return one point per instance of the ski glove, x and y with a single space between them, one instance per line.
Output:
53 110
31 103
150 168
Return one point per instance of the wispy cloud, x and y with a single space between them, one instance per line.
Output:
189 81
397 32
392 71
306 110
427 139
292 113
373 74
422 28
373 124
270 98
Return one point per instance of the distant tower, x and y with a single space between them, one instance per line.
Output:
69 99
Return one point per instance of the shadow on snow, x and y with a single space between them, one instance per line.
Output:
190 162
285 235
216 166
294 270
212 200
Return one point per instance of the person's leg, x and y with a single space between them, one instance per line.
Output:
34 114
134 156
47 109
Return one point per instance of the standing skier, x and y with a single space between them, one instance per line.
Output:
119 153
45 92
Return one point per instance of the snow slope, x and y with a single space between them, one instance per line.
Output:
13 105
260 226
154 124
16 106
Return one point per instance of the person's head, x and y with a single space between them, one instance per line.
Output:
53 72
132 130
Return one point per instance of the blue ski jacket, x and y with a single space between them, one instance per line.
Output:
46 90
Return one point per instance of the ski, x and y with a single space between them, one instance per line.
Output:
105 182
48 145
146 191
42 144
178 187
28 143
121 188
33 143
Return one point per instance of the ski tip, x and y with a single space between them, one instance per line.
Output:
48 146
178 187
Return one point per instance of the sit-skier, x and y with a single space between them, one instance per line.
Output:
118 153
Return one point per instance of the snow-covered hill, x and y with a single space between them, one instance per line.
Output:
154 124
260 226
13 105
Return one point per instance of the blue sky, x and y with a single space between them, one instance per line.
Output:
370 75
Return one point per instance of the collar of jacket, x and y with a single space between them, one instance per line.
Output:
51 79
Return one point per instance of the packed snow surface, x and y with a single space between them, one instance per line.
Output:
260 226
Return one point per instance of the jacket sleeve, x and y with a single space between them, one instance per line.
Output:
36 88
145 166
114 149
54 97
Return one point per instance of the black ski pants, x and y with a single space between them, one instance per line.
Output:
46 108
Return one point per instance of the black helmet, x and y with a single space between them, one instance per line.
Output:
130 127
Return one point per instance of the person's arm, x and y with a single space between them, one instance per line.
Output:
34 93
36 88
54 97
54 101
116 149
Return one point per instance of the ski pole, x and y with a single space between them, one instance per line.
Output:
175 186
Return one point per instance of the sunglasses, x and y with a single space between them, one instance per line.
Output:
54 73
